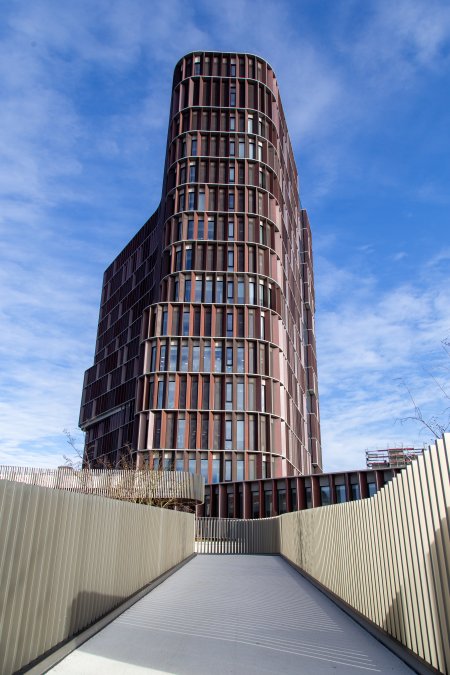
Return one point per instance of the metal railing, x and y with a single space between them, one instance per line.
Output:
67 559
387 557
125 484
229 535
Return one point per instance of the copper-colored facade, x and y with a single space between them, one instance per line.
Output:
264 498
205 357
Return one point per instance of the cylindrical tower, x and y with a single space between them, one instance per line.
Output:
227 380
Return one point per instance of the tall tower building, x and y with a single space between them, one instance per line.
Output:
205 357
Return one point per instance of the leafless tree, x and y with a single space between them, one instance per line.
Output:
439 423
140 486
75 462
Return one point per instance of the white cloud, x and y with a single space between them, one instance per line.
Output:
47 314
398 40
415 31
76 182
443 256
401 255
61 209
371 343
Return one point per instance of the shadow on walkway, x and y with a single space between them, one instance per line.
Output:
233 614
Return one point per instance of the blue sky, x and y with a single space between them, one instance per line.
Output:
84 105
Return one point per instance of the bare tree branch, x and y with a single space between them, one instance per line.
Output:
437 424
124 488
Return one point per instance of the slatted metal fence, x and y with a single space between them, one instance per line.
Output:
126 484
67 559
229 535
388 557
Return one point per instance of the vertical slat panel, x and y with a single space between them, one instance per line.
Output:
68 558
408 566
30 583
233 535
20 592
16 545
10 506
427 614
438 481
406 561
387 621
397 546
118 484
422 493
418 595
393 609
434 535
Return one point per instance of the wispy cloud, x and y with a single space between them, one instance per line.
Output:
443 256
401 255
70 171
371 343
85 95
433 193
403 37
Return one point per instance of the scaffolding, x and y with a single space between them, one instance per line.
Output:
391 458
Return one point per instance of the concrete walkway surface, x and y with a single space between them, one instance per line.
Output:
232 614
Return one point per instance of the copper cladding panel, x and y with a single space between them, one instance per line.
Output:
218 382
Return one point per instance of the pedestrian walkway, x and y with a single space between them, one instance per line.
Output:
232 614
